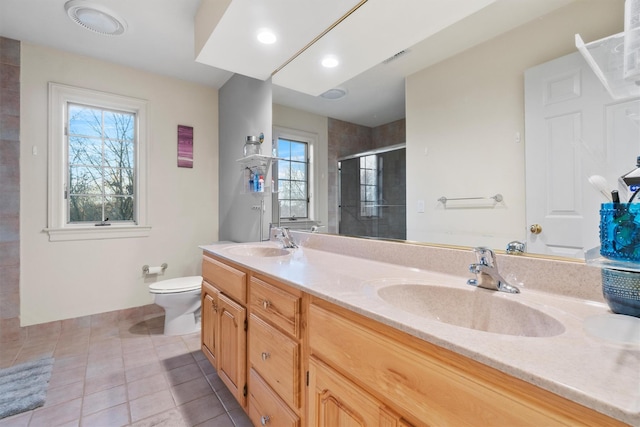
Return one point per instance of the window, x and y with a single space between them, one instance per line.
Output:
369 186
97 153
293 178
101 147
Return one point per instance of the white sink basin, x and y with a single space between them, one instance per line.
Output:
256 251
479 309
615 328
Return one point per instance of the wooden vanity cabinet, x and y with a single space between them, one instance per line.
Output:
425 384
312 363
275 353
224 323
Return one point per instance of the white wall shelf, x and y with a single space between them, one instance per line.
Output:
258 164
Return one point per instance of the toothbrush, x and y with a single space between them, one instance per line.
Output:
600 184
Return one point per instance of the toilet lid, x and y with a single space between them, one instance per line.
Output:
181 284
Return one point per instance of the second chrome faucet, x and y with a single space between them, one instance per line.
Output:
487 274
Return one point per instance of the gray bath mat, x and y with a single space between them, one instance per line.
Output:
24 387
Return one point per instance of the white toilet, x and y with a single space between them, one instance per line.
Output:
180 299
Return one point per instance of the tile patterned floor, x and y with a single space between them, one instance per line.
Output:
117 369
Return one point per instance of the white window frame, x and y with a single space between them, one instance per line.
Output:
363 208
312 142
57 227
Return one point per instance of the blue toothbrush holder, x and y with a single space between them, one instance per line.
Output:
620 231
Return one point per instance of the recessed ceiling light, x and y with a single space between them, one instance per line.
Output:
266 37
330 61
95 17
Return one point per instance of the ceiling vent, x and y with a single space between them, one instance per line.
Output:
95 17
333 94
396 56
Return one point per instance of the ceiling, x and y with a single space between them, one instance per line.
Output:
162 36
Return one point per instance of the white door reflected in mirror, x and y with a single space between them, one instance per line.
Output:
574 131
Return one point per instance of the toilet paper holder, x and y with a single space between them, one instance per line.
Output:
147 270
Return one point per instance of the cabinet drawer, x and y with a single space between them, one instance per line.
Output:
266 408
276 357
229 280
275 305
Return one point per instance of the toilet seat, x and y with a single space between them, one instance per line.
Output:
172 286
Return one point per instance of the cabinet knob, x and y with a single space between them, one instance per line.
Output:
266 304
265 419
265 355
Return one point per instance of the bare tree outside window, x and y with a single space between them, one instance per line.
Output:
101 174
293 171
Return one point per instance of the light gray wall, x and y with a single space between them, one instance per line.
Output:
244 109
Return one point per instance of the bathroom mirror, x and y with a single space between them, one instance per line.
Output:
465 134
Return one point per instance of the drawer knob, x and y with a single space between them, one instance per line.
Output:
266 304
265 355
265 419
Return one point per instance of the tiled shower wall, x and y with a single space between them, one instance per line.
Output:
9 187
346 139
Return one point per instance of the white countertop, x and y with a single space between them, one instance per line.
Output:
595 372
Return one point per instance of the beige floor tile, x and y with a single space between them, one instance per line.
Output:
66 377
183 374
70 362
206 367
227 399
70 350
215 381
160 340
64 393
57 414
177 361
240 418
200 410
18 420
137 358
171 418
168 351
143 371
115 416
147 385
103 382
220 421
131 345
151 404
104 399
105 366
191 390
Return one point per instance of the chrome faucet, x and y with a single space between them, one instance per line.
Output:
486 271
516 247
284 236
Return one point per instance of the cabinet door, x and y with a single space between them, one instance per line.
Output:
336 402
209 322
232 345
